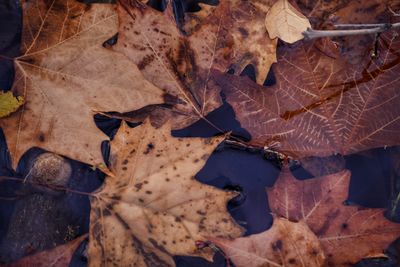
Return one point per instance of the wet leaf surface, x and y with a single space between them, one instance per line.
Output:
153 207
225 36
319 203
62 67
232 166
321 105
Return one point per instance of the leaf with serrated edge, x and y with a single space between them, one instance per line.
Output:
346 233
230 35
319 105
65 76
154 208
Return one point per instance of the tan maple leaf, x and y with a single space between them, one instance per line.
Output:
59 256
230 35
65 76
154 208
321 105
285 244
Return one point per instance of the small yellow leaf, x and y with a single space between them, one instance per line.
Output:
9 103
286 22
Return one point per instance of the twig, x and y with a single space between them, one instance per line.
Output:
361 29
358 26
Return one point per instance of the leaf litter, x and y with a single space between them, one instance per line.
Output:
150 207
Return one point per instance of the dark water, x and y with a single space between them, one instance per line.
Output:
375 178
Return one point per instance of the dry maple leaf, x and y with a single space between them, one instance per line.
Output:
284 21
346 233
154 208
320 105
284 244
230 35
65 75
59 256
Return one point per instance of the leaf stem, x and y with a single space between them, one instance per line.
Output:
310 34
7 58
61 188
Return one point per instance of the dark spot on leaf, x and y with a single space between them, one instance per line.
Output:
145 61
243 32
138 186
41 137
150 147
277 245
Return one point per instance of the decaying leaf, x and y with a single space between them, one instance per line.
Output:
230 35
321 105
346 233
59 256
285 22
65 76
284 244
9 103
154 208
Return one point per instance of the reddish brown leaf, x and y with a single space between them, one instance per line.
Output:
321 105
59 256
346 233
230 35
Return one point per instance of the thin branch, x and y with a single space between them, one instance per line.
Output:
358 26
361 29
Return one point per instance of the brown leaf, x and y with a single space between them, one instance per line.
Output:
154 208
285 22
230 35
59 256
346 233
65 76
284 244
321 105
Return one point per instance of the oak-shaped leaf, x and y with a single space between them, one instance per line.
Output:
59 256
285 244
321 105
346 233
153 208
178 59
65 76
